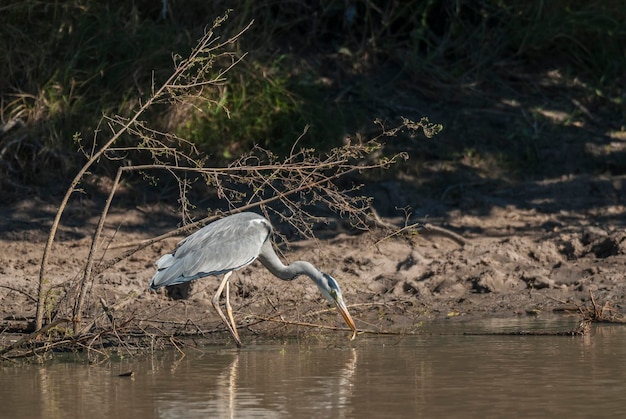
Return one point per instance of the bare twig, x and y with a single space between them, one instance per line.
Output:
27 295
205 47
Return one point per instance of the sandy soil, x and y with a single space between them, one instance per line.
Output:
531 248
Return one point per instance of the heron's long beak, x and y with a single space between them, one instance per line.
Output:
346 316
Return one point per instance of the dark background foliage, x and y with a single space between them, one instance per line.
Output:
524 89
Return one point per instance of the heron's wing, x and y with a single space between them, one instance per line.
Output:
230 243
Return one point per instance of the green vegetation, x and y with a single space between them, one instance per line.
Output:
332 65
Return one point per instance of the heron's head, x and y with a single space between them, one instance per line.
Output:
329 288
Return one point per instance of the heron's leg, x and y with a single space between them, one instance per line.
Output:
229 310
215 302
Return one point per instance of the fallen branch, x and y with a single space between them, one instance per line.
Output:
32 336
418 228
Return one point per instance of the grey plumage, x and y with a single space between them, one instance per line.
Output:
227 244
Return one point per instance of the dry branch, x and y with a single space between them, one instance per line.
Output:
199 61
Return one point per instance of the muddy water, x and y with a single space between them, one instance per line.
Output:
442 374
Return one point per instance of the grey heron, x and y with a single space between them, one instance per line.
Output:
230 244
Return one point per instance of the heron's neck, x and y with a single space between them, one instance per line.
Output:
285 272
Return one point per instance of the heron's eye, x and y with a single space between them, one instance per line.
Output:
333 293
